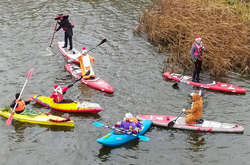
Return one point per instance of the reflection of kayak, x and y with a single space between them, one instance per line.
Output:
84 107
206 126
70 55
213 86
96 83
44 119
114 140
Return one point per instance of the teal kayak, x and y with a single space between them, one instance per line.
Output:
113 140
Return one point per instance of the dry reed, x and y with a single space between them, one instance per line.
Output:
172 25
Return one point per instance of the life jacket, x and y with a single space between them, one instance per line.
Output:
133 119
20 105
198 50
85 64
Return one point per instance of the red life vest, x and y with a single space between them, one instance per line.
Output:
20 105
198 51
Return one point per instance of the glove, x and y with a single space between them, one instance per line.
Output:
183 110
134 131
70 85
117 125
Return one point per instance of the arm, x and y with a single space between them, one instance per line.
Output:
192 53
60 26
64 90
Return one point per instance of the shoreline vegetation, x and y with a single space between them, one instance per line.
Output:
224 26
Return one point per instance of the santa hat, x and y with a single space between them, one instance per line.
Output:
56 86
84 50
197 38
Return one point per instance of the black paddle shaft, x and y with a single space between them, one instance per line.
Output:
171 123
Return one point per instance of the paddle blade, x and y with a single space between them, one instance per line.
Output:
171 124
30 73
104 40
8 122
98 124
144 138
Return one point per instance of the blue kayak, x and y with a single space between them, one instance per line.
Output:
114 140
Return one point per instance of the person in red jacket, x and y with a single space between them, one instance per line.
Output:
196 56
58 93
64 23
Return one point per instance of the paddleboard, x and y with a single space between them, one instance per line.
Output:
113 140
206 126
96 83
218 86
71 55
74 107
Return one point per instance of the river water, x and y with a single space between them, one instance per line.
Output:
133 67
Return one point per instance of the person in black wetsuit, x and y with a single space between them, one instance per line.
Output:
64 23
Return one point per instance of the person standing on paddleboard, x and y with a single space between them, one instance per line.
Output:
196 56
64 23
21 104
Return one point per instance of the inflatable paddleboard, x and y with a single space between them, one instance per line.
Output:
218 86
206 126
74 107
71 55
113 140
96 83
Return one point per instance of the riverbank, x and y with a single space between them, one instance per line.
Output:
223 26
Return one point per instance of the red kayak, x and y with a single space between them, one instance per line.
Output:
96 83
218 86
205 126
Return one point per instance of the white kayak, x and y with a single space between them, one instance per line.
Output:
205 126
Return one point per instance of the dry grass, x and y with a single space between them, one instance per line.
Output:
172 24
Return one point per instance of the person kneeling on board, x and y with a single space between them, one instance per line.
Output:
58 93
195 113
85 64
129 124
21 104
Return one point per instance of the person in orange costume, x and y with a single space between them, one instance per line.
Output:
195 113
85 64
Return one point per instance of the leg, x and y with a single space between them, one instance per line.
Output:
198 71
65 40
70 42
195 71
190 119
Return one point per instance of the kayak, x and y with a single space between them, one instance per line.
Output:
42 118
77 107
96 83
70 55
218 86
113 140
205 126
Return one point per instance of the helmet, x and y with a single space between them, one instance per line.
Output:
128 115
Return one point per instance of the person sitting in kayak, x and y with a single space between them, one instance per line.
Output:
196 56
195 113
64 23
129 124
85 64
58 93
21 104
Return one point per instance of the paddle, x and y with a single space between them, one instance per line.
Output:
103 41
8 122
171 123
52 39
141 137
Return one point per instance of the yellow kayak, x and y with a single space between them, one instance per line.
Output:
76 107
43 119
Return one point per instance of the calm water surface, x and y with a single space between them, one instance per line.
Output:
133 67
